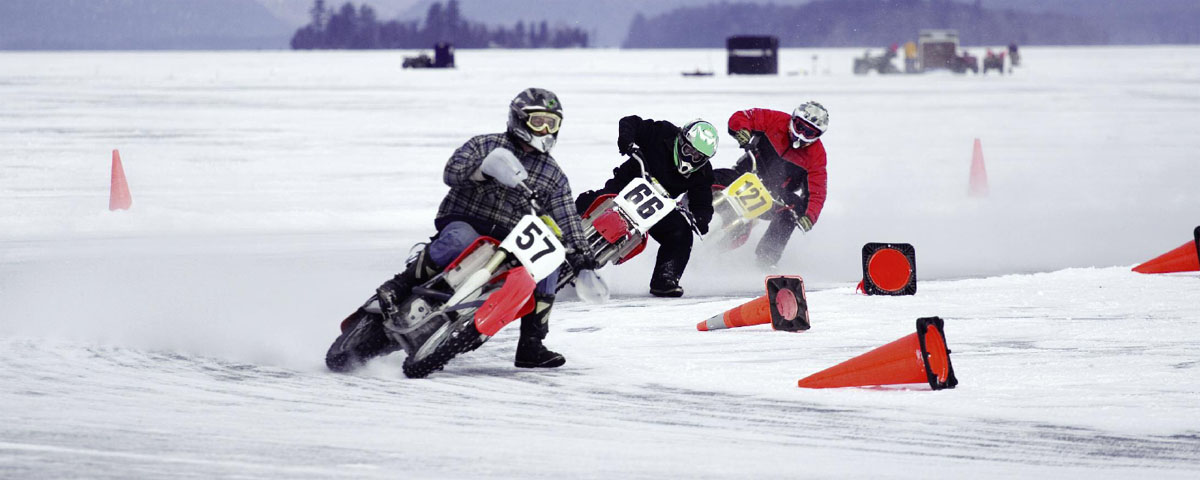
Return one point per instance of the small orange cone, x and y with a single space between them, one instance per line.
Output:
979 181
1185 258
889 269
921 357
118 194
784 307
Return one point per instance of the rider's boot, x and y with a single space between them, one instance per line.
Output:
664 282
393 292
534 327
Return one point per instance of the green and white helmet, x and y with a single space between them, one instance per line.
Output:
696 143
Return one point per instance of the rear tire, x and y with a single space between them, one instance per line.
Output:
364 338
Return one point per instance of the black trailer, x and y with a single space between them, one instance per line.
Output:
753 55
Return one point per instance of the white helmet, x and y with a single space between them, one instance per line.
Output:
809 121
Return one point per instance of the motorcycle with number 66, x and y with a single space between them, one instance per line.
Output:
616 225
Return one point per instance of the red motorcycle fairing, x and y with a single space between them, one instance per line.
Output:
513 300
611 226
596 204
471 248
633 253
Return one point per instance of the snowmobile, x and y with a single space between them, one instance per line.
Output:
487 287
616 225
739 206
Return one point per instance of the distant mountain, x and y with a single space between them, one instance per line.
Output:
1126 22
846 23
139 25
296 12
606 20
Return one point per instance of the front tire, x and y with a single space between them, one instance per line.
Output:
463 338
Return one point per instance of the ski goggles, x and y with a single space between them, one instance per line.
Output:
544 122
804 130
690 158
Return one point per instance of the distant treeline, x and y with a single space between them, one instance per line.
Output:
358 28
843 23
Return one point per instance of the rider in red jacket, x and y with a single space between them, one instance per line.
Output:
791 163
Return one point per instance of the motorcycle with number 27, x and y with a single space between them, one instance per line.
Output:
739 206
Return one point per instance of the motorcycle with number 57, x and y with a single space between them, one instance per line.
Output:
488 286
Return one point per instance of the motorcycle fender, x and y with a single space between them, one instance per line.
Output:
611 226
596 204
633 253
508 303
346 323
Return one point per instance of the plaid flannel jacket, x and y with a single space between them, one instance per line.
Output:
494 203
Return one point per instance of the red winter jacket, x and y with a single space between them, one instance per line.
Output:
810 159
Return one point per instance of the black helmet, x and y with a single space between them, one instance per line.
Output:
535 117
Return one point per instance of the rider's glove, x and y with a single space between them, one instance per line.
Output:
503 166
580 261
743 137
803 222
626 147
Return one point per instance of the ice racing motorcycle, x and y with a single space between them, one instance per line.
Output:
489 285
739 206
616 225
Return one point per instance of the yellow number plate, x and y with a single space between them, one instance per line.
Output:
750 194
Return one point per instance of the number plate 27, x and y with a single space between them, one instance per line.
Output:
643 204
534 244
750 194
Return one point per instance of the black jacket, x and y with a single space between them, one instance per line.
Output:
656 139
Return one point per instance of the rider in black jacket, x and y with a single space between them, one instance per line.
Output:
678 159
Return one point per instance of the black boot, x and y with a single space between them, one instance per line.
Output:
532 354
393 292
674 238
665 280
534 327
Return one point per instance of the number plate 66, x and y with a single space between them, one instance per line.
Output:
643 204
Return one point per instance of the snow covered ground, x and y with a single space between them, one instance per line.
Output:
274 190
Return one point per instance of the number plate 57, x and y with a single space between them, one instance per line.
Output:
534 244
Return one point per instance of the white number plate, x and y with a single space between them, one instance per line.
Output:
534 244
643 204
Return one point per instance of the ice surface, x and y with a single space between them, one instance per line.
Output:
274 190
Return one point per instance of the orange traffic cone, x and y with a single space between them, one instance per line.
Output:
979 181
921 357
1185 258
889 269
118 193
784 307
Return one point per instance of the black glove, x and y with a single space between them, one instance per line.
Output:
580 261
625 146
702 227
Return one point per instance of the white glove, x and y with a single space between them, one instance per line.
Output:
503 166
